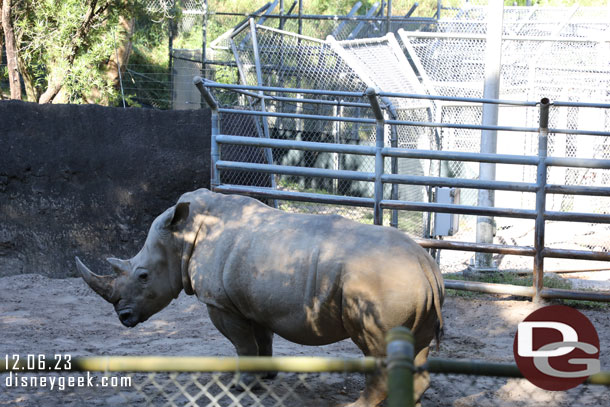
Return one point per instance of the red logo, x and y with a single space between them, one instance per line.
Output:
556 348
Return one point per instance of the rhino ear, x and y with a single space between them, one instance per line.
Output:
178 216
119 266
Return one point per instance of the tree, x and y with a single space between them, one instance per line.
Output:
11 52
67 49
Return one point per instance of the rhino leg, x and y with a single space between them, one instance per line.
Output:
421 380
264 340
248 338
361 322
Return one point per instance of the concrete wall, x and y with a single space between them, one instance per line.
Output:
89 180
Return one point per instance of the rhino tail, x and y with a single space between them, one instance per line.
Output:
438 291
439 333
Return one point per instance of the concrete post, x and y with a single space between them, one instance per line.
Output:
491 90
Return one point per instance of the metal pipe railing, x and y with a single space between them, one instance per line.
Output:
541 176
541 188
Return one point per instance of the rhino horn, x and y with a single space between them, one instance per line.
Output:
119 266
103 285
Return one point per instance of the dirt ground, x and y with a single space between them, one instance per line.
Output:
39 315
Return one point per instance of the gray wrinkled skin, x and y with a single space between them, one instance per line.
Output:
312 279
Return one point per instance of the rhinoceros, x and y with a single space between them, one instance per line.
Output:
312 279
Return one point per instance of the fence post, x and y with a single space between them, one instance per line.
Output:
379 142
215 153
264 119
400 367
541 198
489 142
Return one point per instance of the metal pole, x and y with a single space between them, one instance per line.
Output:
259 79
379 143
393 160
541 199
300 17
400 350
205 40
389 17
491 90
214 150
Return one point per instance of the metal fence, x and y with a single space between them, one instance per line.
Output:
298 381
554 52
271 148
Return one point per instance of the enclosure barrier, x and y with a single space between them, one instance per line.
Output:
194 381
541 187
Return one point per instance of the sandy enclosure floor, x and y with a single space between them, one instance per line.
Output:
47 316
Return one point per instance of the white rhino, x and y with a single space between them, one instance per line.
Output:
312 279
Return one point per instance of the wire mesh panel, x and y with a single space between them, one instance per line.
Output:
382 65
180 389
555 52
288 60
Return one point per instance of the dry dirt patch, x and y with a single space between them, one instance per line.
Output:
41 315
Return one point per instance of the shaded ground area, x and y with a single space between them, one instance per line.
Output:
51 316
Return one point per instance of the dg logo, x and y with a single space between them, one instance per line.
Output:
556 348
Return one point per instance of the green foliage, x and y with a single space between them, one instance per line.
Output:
58 44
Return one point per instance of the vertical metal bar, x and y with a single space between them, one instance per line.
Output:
541 176
170 46
388 27
491 90
214 151
335 155
259 80
282 20
204 34
400 351
394 169
300 31
379 137
393 114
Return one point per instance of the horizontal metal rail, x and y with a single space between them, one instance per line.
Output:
529 291
298 116
319 92
458 209
578 162
300 364
576 254
291 364
483 368
268 193
297 145
298 171
577 190
413 123
458 182
475 247
512 250
459 156
577 217
361 94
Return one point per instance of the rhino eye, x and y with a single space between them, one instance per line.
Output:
143 276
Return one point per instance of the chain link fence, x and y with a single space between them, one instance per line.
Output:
556 52
472 383
181 389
